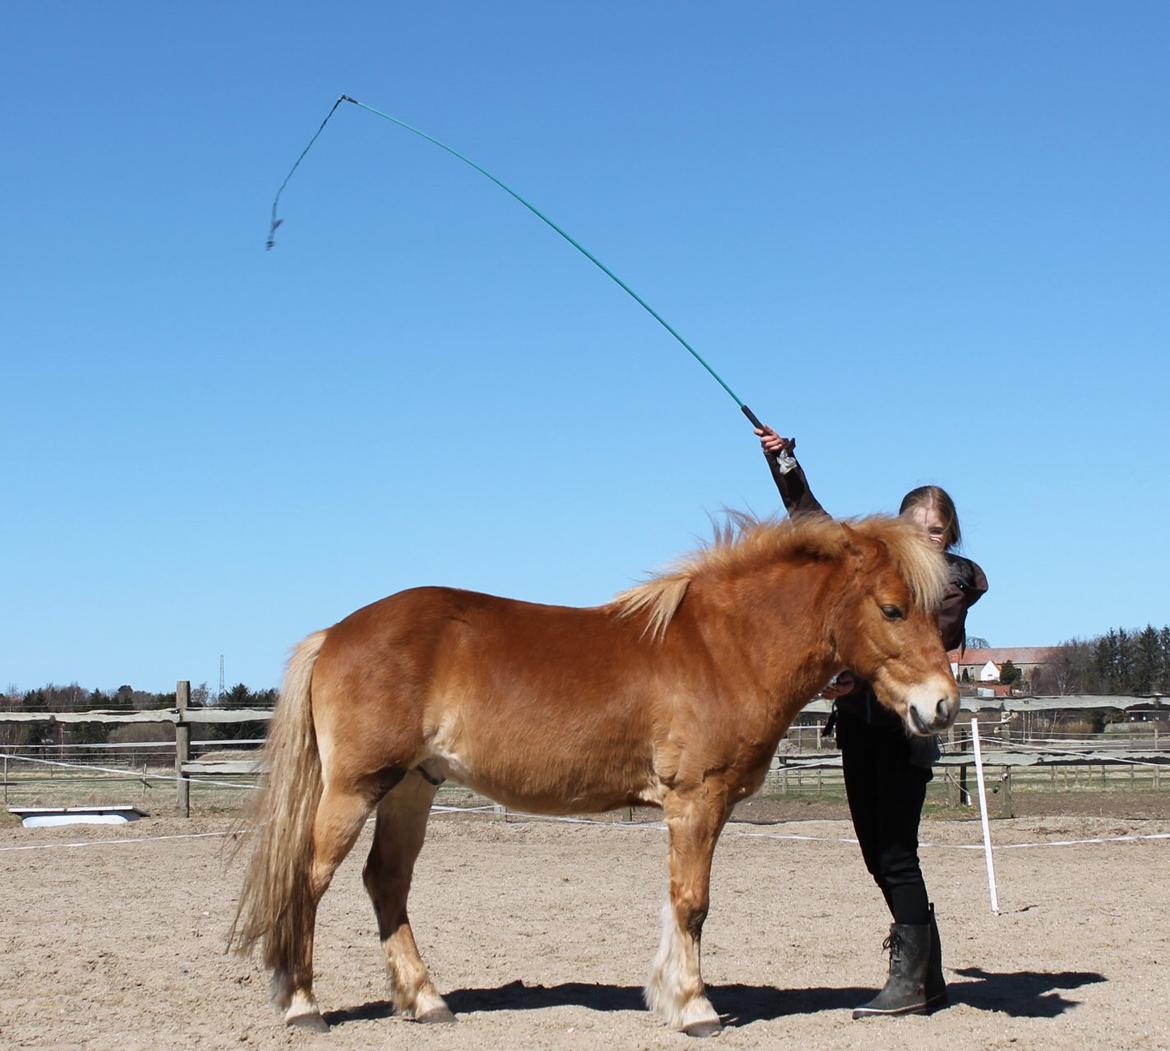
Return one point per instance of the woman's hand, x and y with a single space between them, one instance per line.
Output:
838 687
772 443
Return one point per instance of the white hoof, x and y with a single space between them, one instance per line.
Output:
436 1016
303 1013
429 1007
310 1023
699 1018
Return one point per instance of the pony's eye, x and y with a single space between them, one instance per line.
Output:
892 613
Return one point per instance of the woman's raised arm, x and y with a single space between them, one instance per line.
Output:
788 474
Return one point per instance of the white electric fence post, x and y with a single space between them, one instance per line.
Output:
983 815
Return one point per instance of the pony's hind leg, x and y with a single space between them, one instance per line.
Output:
338 821
398 838
675 988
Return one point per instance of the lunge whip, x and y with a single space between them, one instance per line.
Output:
532 208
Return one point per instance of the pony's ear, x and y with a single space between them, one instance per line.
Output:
852 542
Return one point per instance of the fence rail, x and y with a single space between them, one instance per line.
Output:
152 715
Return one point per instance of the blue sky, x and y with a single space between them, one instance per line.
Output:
929 240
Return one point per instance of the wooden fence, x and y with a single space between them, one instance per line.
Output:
182 717
796 774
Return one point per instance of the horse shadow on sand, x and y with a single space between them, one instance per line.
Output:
1019 994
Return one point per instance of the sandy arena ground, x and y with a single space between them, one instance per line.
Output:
540 935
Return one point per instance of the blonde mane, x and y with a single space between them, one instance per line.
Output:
744 543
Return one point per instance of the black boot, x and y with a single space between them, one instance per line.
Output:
905 988
936 984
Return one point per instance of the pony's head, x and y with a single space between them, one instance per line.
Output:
886 627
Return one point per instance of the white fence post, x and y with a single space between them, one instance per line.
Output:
983 815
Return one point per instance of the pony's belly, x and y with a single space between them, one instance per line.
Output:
550 788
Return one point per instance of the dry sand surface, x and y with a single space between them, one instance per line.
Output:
540 935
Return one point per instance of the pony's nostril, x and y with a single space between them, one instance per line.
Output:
941 711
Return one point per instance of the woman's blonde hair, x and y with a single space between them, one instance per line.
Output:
936 496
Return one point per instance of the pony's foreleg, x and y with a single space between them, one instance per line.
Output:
338 821
675 987
398 838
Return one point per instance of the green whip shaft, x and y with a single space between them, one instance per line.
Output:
535 211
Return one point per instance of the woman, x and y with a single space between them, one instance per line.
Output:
886 771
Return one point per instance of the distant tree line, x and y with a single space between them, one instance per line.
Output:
75 698
1134 662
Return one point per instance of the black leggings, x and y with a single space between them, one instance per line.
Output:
886 792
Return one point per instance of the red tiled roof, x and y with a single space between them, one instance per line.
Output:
997 655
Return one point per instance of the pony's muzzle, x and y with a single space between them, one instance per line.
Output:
931 707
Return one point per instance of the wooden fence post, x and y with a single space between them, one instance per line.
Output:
183 746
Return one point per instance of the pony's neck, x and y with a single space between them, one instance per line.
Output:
777 626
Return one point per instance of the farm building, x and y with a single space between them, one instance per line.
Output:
985 665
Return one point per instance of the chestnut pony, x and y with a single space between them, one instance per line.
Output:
674 695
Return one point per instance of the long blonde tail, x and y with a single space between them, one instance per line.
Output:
276 909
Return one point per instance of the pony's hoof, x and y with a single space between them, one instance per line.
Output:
436 1016
699 1018
312 1022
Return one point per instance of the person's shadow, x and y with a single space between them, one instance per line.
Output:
1020 994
